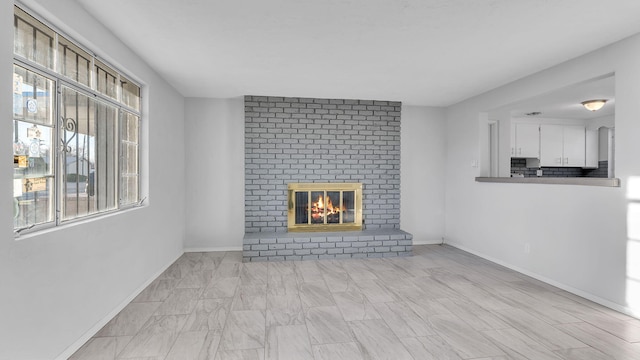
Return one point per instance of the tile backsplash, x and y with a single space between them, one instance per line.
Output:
519 166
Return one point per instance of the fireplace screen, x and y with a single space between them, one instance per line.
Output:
325 207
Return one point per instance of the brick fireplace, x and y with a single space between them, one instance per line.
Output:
306 140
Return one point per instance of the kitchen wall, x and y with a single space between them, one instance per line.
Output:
571 236
60 286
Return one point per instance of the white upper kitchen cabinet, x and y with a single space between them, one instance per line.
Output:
562 145
525 140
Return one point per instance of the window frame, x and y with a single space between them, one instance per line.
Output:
58 156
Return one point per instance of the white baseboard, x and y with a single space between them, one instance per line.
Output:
427 242
100 324
586 295
213 249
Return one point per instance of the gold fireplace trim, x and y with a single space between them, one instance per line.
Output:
324 187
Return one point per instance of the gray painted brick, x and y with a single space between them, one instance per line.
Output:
259 247
285 252
390 243
286 140
276 246
302 252
398 248
318 251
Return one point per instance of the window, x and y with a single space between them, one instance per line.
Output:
76 128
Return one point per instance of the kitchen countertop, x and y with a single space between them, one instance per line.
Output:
610 182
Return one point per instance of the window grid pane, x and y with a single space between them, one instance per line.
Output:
33 40
73 62
96 144
33 188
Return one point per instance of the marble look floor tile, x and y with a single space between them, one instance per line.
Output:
250 298
495 271
244 330
172 272
583 354
601 340
434 289
481 297
337 282
282 284
519 346
354 305
130 320
285 316
324 301
374 292
194 345
211 260
471 313
413 268
232 257
307 271
378 341
402 320
592 305
181 301
403 288
196 279
221 288
155 338
358 271
326 326
429 348
314 294
281 268
331 266
288 342
542 310
344 351
253 354
425 307
102 348
467 342
209 315
628 330
254 274
538 330
227 270
158 290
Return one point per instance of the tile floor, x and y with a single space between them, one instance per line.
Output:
442 303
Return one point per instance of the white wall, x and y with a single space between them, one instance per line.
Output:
422 173
59 286
577 234
214 130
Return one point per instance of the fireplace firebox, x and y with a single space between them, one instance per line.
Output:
325 206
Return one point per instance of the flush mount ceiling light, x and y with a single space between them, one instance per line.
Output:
594 105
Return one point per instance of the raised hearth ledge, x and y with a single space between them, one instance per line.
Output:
608 182
280 246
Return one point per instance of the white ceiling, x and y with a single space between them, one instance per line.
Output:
421 52
565 103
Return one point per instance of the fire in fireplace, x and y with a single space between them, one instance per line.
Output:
325 206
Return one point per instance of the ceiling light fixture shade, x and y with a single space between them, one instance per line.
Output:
594 105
